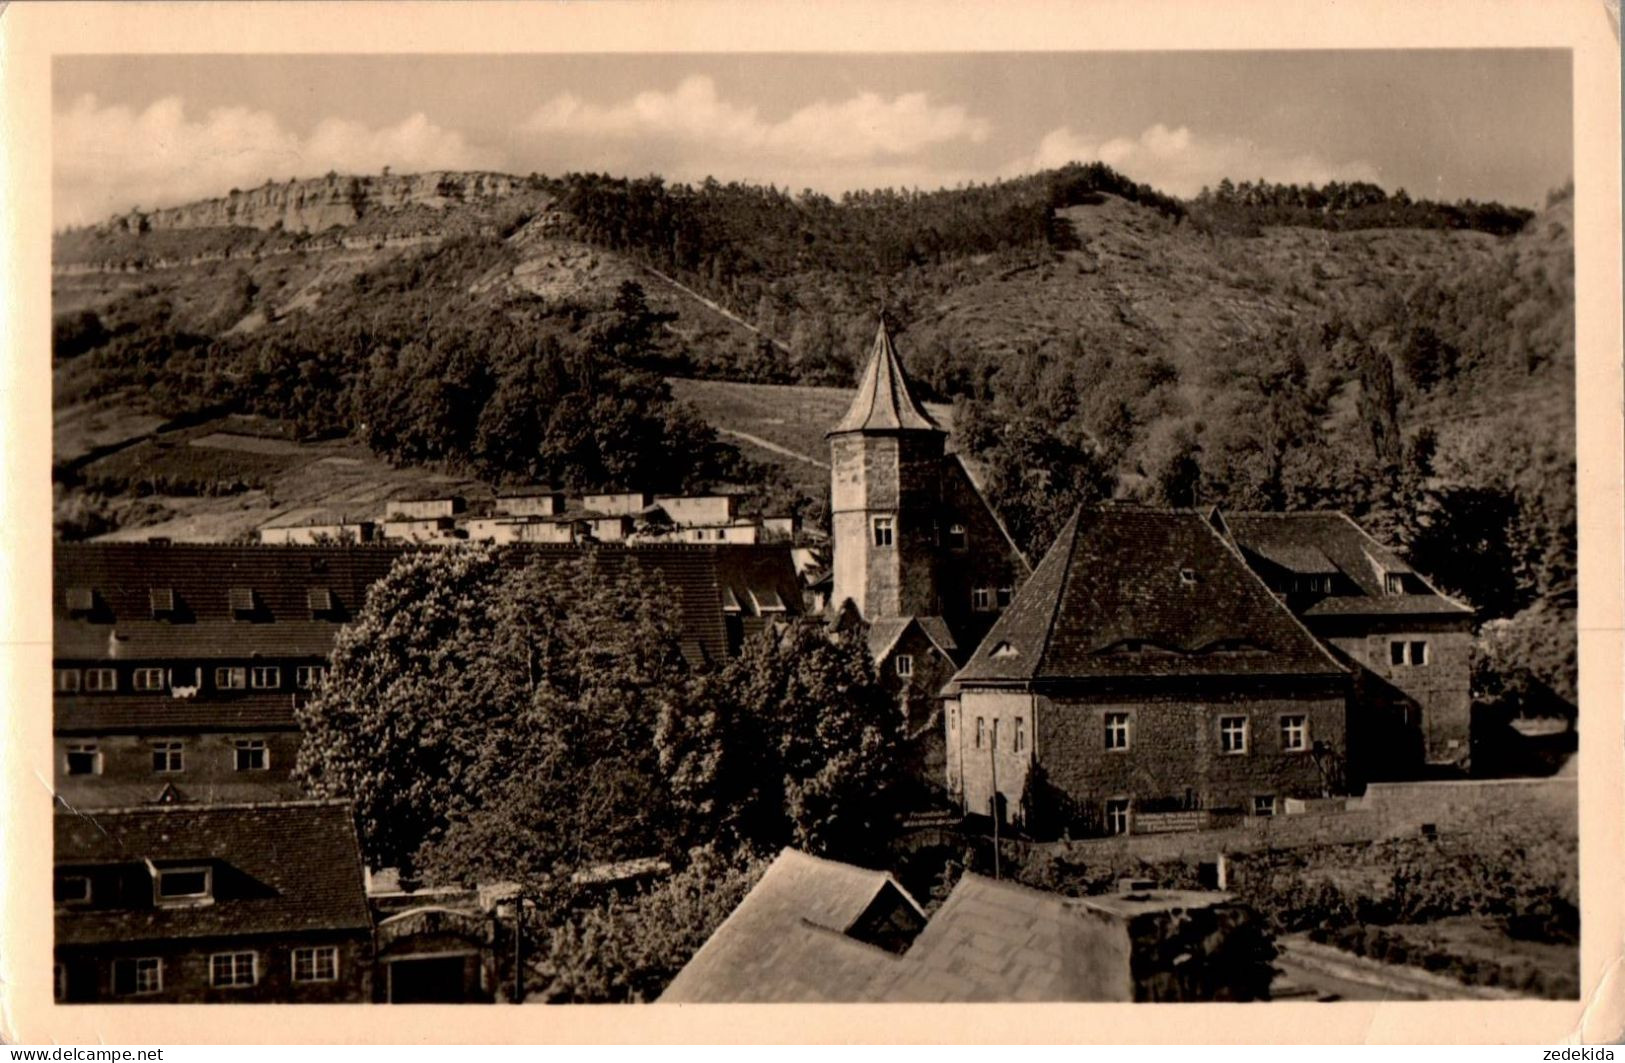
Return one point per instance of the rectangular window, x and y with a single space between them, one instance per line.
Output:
138 977
266 677
995 735
179 885
251 755
101 680
72 889
149 679
1233 734
981 731
884 529
1264 805
1406 654
981 599
311 676
1021 734
1005 596
228 970
83 758
905 664
316 964
65 680
230 678
1117 816
1117 730
1294 734
956 537
168 757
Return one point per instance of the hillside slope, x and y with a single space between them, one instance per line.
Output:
1112 318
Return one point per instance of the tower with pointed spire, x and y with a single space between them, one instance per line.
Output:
886 459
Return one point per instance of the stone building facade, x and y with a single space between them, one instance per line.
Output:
918 554
211 903
1143 669
1409 647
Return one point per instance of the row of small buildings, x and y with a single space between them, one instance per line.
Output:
1155 670
541 515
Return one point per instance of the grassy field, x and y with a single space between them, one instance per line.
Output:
779 424
226 478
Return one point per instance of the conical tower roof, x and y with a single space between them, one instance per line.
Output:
883 402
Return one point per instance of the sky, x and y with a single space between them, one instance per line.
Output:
153 131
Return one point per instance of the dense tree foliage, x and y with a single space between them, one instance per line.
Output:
628 949
496 718
1343 205
797 744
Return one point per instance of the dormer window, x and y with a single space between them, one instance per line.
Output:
320 600
1187 576
242 600
183 885
81 600
72 889
1393 583
730 602
1003 650
162 600
767 602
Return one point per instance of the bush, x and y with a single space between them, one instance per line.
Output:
629 949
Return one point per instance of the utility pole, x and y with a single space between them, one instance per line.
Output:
519 948
993 766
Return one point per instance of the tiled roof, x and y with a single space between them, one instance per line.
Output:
1355 559
883 402
786 942
297 867
990 941
1001 942
886 632
199 579
203 624
132 713
1127 592
97 791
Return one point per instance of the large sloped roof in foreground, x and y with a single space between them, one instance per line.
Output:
1127 592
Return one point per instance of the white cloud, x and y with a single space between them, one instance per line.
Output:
1180 162
864 127
109 158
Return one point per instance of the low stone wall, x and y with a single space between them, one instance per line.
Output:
1388 810
1260 832
1475 804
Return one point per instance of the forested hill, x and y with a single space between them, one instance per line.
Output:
1256 346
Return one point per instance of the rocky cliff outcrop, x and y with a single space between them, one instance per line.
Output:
321 203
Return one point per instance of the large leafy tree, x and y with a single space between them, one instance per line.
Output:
795 742
493 718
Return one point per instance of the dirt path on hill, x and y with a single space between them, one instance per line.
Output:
766 444
718 309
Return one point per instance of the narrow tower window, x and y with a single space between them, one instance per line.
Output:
884 529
